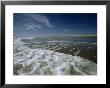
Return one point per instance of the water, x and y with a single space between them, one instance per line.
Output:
55 56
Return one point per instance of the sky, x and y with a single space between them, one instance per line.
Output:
54 24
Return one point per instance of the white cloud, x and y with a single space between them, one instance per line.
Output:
33 22
42 19
65 30
39 26
32 26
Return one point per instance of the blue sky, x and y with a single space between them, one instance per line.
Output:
49 24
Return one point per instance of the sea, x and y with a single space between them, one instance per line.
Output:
55 55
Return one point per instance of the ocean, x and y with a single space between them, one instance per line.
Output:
55 55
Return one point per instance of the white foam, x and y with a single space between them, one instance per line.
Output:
46 62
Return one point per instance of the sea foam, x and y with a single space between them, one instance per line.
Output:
47 62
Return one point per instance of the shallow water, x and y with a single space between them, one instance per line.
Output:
39 60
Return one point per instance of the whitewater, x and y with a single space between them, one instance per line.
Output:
38 61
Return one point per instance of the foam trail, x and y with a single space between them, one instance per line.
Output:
47 62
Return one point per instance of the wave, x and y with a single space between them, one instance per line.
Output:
47 62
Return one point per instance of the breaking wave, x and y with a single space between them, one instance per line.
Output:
47 62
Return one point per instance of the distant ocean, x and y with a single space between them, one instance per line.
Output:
88 39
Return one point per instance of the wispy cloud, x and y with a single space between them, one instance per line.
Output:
65 30
39 26
31 23
32 26
35 21
42 19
